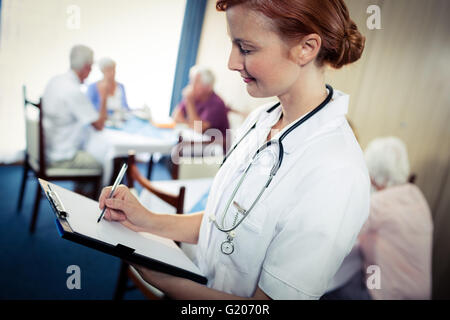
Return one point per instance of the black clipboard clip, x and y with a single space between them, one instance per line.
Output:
56 203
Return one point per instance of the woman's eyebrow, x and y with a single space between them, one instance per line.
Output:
242 41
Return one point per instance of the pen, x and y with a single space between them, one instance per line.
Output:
116 183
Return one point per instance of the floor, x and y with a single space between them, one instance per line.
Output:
35 266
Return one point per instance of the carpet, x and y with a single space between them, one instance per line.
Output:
34 266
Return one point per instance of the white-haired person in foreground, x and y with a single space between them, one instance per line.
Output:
396 241
108 91
201 103
67 112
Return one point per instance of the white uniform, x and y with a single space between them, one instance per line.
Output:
114 102
66 112
306 222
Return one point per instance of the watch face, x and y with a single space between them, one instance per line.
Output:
227 247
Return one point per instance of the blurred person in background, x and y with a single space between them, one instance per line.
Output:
107 90
399 232
201 103
67 112
397 237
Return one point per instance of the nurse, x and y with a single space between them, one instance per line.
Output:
278 222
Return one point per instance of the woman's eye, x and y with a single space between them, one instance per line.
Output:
243 51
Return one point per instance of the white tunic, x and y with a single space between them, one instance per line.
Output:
66 112
114 102
306 222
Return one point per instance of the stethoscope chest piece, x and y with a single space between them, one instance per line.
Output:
227 247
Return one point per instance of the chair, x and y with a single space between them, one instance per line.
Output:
126 271
184 168
35 159
193 159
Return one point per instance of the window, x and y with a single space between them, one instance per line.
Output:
142 36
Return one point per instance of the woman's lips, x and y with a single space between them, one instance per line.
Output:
248 79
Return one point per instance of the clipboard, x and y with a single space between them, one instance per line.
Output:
76 221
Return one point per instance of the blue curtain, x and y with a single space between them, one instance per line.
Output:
187 50
0 21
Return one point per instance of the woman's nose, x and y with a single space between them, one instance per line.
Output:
235 61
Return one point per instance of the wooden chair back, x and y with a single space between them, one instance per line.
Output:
133 175
126 271
199 159
35 144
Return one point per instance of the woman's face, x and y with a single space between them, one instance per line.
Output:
200 89
109 72
259 54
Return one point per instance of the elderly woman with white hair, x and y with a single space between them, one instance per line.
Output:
108 91
396 240
398 235
201 104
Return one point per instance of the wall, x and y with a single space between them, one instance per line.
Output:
37 37
400 87
441 244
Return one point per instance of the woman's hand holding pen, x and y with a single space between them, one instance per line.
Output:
123 207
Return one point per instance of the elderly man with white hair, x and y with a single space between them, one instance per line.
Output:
108 91
396 241
201 104
67 112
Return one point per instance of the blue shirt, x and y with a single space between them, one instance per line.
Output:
94 95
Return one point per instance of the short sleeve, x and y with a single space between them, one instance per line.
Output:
124 97
315 235
93 95
81 107
215 114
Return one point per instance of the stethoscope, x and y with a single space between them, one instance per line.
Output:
227 246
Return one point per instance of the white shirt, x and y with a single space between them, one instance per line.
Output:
114 102
67 111
293 241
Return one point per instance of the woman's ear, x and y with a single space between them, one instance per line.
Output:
307 50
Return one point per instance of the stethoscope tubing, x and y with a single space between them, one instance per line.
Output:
275 168
294 126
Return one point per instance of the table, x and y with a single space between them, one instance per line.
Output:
134 134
